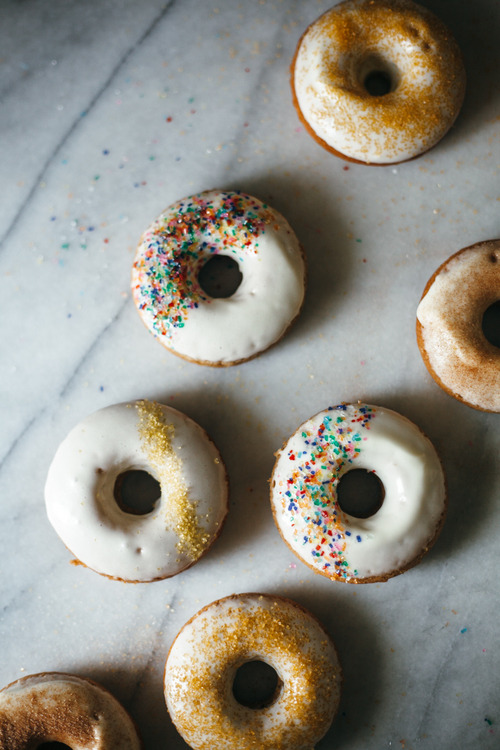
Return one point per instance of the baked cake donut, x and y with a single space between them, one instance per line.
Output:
203 661
377 81
173 251
103 533
53 707
305 493
450 326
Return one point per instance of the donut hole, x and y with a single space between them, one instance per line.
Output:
136 492
360 493
378 77
53 746
256 684
220 276
491 324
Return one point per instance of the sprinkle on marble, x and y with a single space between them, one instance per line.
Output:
180 513
309 499
178 244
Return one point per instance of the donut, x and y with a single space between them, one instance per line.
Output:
208 651
106 535
62 708
305 487
450 333
377 81
210 330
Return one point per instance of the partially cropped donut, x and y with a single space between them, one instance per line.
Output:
450 332
204 659
103 533
305 493
378 81
58 707
174 250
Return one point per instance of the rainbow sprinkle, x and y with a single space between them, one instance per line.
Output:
178 244
310 499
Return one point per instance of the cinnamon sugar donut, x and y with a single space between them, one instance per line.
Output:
377 81
175 249
449 326
108 537
206 654
305 493
57 707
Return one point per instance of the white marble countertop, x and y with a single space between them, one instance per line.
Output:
110 112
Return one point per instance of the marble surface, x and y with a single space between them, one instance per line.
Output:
111 111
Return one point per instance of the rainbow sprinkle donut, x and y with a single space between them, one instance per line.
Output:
177 246
305 497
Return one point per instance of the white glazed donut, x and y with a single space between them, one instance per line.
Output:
145 436
398 41
171 254
56 707
449 326
210 648
305 503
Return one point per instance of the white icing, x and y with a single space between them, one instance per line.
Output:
219 331
61 704
207 652
359 37
307 472
450 317
81 505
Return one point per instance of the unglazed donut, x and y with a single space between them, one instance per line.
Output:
171 254
144 436
305 503
449 326
396 40
57 707
206 654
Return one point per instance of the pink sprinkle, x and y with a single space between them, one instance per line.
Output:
292 565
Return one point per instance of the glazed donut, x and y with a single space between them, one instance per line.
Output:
57 707
449 326
305 503
206 654
170 447
174 250
377 81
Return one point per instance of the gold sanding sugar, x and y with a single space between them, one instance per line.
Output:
180 514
